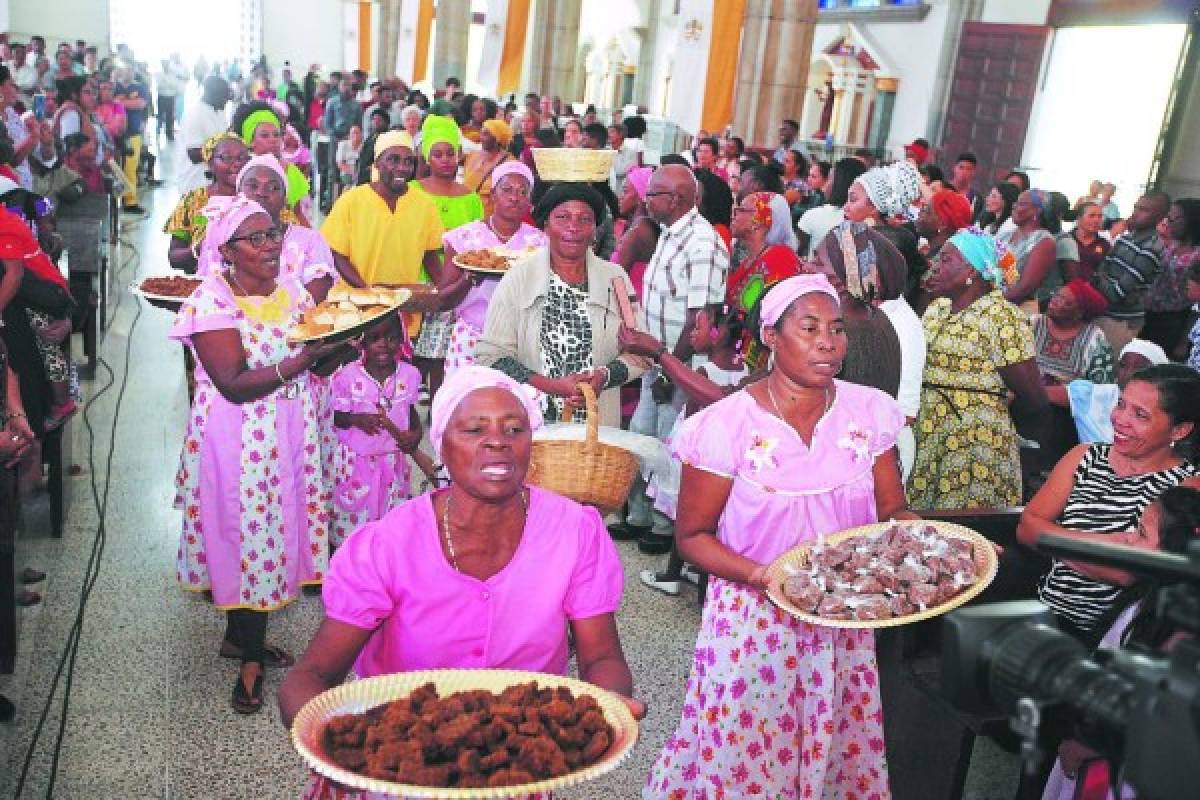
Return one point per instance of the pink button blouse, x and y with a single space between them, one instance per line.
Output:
392 577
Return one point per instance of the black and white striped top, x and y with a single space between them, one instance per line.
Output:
1101 502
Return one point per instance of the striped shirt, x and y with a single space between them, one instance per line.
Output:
1101 502
1127 272
686 272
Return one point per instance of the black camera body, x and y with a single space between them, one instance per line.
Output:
1138 708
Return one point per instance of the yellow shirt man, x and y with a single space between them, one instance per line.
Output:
385 245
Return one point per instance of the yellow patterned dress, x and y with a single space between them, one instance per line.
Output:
966 444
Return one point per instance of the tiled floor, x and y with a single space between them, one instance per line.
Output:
149 711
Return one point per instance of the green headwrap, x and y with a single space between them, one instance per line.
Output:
439 129
252 121
441 108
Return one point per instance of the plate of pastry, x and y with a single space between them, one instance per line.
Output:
882 575
347 312
491 260
171 289
464 733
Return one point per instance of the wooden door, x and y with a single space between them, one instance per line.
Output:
991 97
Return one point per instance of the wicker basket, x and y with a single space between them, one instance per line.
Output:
573 164
588 472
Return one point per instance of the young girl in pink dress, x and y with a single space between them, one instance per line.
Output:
468 293
375 415
775 707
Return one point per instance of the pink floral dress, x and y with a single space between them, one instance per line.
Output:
472 311
775 707
372 473
251 482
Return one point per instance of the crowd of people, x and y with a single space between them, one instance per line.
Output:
818 346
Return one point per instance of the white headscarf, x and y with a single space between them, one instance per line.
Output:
1148 350
893 188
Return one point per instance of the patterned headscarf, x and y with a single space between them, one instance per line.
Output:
225 215
881 272
500 131
461 383
209 148
990 258
783 294
893 188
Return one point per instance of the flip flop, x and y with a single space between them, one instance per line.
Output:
31 575
247 702
273 655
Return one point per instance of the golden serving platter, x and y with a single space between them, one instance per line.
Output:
799 558
358 696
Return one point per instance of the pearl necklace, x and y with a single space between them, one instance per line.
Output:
775 403
446 525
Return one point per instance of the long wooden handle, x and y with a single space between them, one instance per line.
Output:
624 303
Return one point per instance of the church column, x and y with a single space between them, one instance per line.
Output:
773 68
453 21
643 80
554 49
885 103
389 38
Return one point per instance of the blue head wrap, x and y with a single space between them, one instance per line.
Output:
984 253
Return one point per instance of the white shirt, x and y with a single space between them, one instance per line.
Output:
200 122
911 334
26 78
817 223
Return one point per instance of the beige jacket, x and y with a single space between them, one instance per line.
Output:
514 322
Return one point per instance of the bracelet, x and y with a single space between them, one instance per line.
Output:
282 380
661 352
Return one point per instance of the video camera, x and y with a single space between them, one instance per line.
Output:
1138 708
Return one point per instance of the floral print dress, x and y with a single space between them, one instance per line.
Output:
966 444
251 483
775 707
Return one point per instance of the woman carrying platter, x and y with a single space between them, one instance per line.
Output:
776 707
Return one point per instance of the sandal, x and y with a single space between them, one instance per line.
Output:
273 655
31 575
247 702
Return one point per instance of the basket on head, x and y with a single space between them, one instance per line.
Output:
574 164
588 472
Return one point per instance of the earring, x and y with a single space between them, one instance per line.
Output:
970 281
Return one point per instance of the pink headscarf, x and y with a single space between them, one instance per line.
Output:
225 215
639 178
461 383
784 293
270 162
513 167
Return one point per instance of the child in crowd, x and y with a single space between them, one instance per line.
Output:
1192 288
722 340
375 415
1169 524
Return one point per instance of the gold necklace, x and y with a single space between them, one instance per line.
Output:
775 403
446 525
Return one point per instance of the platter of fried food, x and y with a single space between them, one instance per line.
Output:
464 733
346 312
491 260
170 289
882 575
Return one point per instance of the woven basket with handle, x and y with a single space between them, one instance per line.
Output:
588 472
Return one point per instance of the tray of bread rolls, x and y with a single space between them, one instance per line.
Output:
347 312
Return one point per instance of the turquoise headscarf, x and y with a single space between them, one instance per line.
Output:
983 253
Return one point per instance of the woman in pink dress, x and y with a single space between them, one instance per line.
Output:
468 293
256 505
776 707
375 416
489 573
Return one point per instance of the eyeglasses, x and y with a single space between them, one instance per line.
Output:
226 158
259 238
658 193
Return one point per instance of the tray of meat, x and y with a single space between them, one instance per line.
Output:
462 733
881 575
491 260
